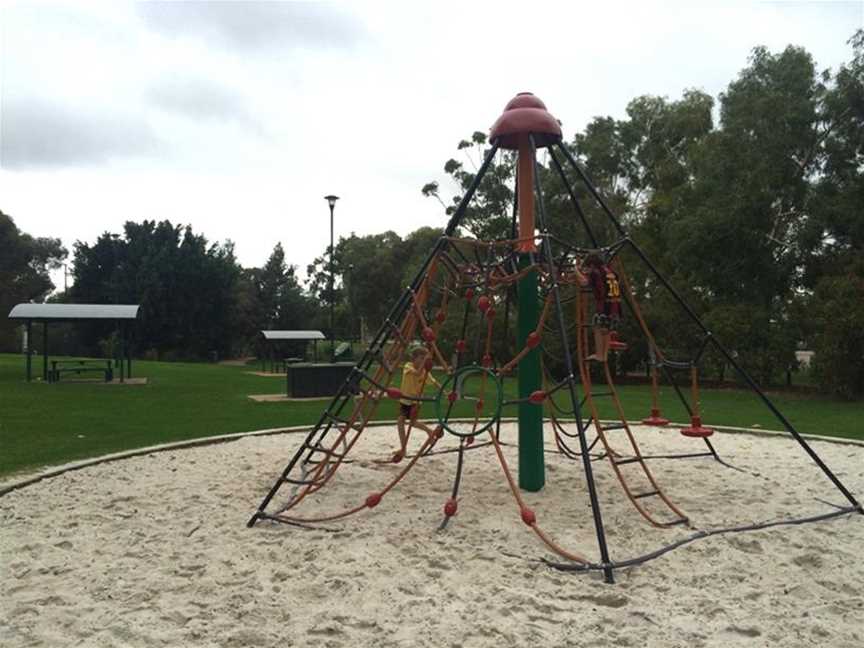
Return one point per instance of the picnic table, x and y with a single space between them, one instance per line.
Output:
78 367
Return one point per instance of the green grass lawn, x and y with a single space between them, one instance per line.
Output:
44 424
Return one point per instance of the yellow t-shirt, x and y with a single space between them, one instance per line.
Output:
412 382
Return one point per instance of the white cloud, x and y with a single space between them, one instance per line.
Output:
255 24
37 132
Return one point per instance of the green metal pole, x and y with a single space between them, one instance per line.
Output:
45 350
122 351
532 470
29 350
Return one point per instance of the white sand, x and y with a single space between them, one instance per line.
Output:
154 551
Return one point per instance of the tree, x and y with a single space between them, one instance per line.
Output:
25 262
271 281
186 288
489 214
743 217
837 310
834 275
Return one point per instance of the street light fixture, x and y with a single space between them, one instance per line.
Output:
331 200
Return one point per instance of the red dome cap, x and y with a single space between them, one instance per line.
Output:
525 114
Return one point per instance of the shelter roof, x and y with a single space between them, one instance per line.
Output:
293 335
74 311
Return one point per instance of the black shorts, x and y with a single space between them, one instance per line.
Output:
607 321
408 411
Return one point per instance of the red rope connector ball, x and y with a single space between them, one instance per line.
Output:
428 364
528 517
469 440
452 396
487 360
469 294
428 334
373 500
450 508
394 393
441 316
537 397
460 346
483 304
490 314
532 340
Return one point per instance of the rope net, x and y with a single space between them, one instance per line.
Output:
459 311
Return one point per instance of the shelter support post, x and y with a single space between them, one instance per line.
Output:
29 350
122 351
45 350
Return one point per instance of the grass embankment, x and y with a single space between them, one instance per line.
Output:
44 424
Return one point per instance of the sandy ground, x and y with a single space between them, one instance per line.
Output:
154 551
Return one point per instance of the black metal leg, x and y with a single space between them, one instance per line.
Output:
695 318
325 422
568 364
573 199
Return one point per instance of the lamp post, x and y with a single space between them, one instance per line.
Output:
349 286
331 200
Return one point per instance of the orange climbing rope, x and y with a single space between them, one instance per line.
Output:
616 459
528 516
416 321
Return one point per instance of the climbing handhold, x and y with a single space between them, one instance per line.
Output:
614 343
537 397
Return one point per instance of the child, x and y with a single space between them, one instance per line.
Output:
414 377
607 300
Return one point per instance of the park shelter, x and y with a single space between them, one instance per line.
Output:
274 338
46 313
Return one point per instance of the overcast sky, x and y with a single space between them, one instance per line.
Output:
238 117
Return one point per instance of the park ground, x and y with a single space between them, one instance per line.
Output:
43 424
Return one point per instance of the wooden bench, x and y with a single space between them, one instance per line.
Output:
77 367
